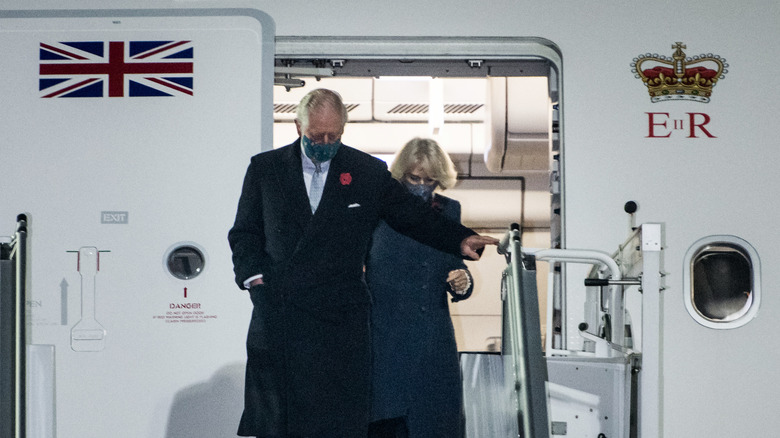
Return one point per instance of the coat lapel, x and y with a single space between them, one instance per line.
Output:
292 186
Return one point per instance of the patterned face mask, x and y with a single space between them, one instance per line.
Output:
424 191
319 152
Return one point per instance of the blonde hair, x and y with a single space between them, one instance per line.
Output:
427 154
320 98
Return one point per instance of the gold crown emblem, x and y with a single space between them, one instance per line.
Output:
679 77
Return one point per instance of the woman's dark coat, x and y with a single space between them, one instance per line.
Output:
416 373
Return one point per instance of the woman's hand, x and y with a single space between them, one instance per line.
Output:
459 281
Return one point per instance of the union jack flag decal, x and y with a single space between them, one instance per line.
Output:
116 69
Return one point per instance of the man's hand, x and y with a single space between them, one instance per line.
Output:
470 245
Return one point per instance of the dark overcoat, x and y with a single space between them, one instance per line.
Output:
308 349
416 374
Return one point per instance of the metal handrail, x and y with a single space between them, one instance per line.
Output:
528 368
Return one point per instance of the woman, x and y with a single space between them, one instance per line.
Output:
417 388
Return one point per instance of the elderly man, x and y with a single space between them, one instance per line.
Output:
305 218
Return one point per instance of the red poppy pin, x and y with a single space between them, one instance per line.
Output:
346 179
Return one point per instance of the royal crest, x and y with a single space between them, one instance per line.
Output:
679 77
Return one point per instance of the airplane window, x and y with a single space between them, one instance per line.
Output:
185 261
722 286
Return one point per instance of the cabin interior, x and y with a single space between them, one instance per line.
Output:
498 121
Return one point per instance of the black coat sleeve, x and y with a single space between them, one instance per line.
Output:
451 209
247 236
411 216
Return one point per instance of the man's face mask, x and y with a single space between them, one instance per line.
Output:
319 152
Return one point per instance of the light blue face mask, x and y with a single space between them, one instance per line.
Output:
319 152
424 191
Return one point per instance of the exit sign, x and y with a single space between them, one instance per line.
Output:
113 217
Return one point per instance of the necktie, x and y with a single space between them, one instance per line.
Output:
315 191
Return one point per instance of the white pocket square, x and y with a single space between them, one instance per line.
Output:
355 205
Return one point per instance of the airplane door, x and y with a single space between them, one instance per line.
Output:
125 135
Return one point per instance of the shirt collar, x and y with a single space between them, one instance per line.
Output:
308 164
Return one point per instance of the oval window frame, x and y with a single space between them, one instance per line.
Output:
744 248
